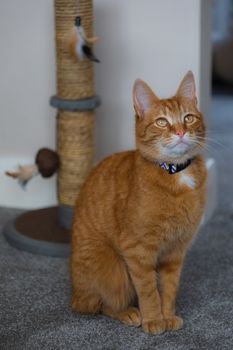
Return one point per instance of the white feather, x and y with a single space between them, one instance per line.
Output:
80 42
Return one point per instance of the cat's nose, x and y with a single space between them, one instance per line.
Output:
180 133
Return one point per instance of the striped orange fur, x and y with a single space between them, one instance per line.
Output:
133 221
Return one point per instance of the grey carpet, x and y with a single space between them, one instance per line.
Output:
35 290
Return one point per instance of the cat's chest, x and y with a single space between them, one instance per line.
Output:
181 212
178 207
186 179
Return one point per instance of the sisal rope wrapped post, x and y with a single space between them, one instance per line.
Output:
75 101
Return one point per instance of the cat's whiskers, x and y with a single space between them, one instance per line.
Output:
211 140
211 145
202 145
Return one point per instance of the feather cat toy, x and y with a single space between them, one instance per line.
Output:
46 164
79 44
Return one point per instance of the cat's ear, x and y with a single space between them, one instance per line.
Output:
143 97
187 87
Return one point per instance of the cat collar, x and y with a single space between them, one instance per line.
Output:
174 168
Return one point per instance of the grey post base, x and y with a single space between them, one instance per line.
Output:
39 232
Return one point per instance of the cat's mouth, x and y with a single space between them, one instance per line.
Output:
180 148
182 142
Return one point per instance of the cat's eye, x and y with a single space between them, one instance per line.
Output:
161 122
189 119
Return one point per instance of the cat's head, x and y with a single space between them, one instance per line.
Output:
168 130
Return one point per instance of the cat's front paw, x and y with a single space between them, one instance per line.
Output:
154 326
173 323
131 317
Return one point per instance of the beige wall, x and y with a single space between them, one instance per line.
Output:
156 40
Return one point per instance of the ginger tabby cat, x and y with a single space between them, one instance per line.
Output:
138 212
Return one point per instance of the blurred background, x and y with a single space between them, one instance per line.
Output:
221 107
155 40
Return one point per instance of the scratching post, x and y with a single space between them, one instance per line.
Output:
75 101
46 231
75 148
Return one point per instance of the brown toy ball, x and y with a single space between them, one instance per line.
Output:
47 162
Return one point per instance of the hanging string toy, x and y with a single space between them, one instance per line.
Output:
79 45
